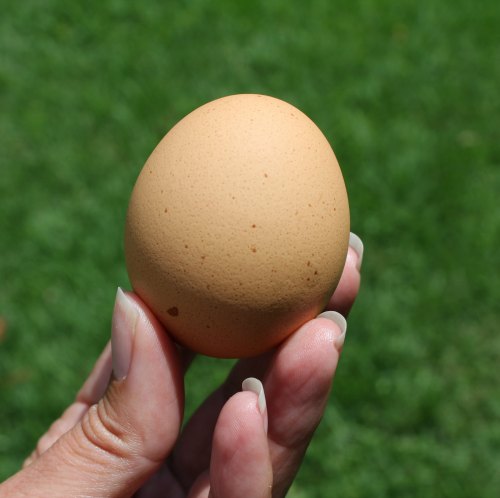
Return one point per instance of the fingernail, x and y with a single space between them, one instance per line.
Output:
255 385
123 327
357 244
340 321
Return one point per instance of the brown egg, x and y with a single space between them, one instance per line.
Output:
238 226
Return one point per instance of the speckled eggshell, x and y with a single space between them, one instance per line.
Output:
238 226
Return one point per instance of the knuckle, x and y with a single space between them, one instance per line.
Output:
102 430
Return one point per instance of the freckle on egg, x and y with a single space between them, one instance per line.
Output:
173 311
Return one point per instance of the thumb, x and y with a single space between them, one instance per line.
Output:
125 437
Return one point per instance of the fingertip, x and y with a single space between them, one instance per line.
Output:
340 327
240 462
241 415
313 339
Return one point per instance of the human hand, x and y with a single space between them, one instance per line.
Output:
121 436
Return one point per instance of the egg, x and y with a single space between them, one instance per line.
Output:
237 228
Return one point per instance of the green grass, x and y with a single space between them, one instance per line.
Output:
407 93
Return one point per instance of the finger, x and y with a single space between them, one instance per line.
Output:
191 455
239 468
298 385
122 440
91 392
240 462
345 294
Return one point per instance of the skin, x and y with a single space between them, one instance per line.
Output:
122 438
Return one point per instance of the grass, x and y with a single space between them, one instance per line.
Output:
407 93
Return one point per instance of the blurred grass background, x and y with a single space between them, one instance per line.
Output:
407 93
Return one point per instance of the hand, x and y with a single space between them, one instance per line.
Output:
121 437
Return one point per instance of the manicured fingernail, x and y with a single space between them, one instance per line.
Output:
357 244
255 385
340 321
125 317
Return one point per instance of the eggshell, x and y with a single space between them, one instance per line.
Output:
238 226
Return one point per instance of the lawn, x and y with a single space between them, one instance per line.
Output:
407 93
